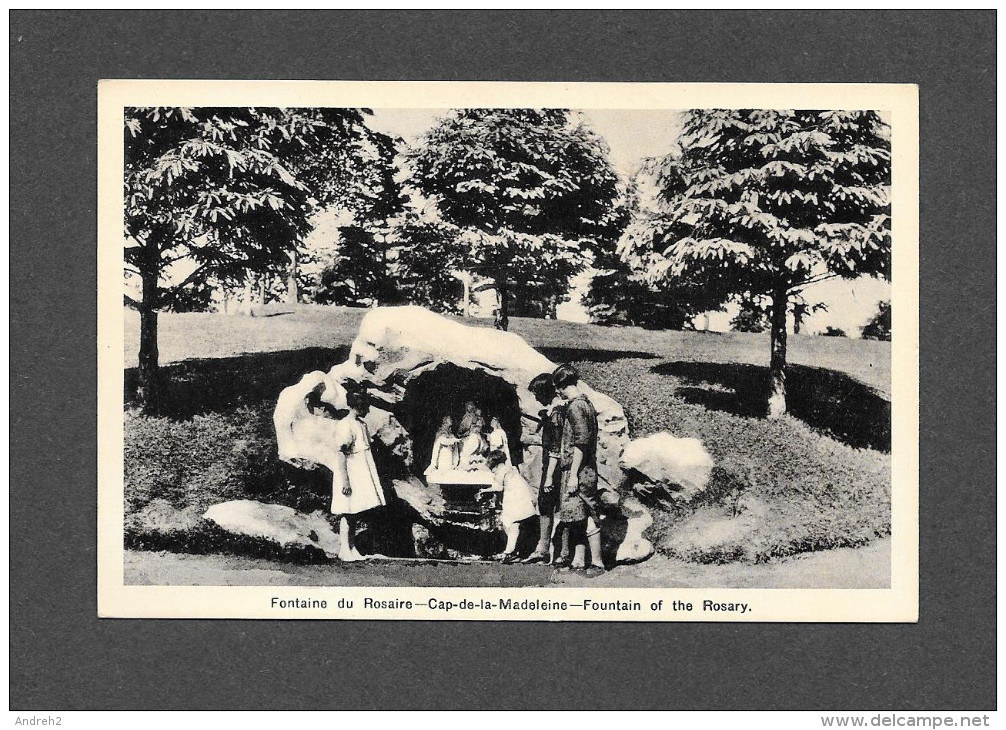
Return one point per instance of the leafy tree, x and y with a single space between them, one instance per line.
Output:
766 202
358 275
351 170
750 317
530 190
621 294
830 331
621 290
364 257
803 309
221 194
879 326
754 314
427 266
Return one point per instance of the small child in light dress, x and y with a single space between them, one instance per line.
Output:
518 502
356 485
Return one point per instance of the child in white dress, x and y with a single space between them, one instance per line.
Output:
356 486
518 503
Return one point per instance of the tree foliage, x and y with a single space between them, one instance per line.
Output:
765 202
622 291
531 192
358 274
427 261
879 326
751 317
621 294
222 194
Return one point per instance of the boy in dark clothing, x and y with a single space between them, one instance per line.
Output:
548 490
578 468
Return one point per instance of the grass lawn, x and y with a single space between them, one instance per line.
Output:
187 336
815 479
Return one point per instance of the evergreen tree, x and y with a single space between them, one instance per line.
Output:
427 262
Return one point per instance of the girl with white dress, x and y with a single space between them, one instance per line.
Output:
356 486
518 503
445 448
497 438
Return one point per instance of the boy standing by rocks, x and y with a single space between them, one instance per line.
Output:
543 390
580 509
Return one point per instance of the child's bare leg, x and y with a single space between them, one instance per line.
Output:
347 548
580 547
544 535
594 542
512 532
564 547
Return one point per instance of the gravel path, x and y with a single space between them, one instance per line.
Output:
867 567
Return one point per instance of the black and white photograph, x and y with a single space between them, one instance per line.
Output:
520 352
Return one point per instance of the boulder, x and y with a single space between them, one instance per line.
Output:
160 516
426 545
634 547
682 465
425 500
396 350
275 522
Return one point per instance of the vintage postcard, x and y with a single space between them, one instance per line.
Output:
508 351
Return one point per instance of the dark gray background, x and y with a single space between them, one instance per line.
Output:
63 657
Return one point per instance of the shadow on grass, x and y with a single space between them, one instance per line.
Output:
585 354
219 384
205 385
832 402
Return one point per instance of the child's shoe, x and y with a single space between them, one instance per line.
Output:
536 557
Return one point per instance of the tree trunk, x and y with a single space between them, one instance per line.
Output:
466 307
249 296
292 294
261 289
552 312
777 362
382 287
503 313
148 389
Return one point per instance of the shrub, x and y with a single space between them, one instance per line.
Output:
190 463
213 458
206 538
879 326
779 488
